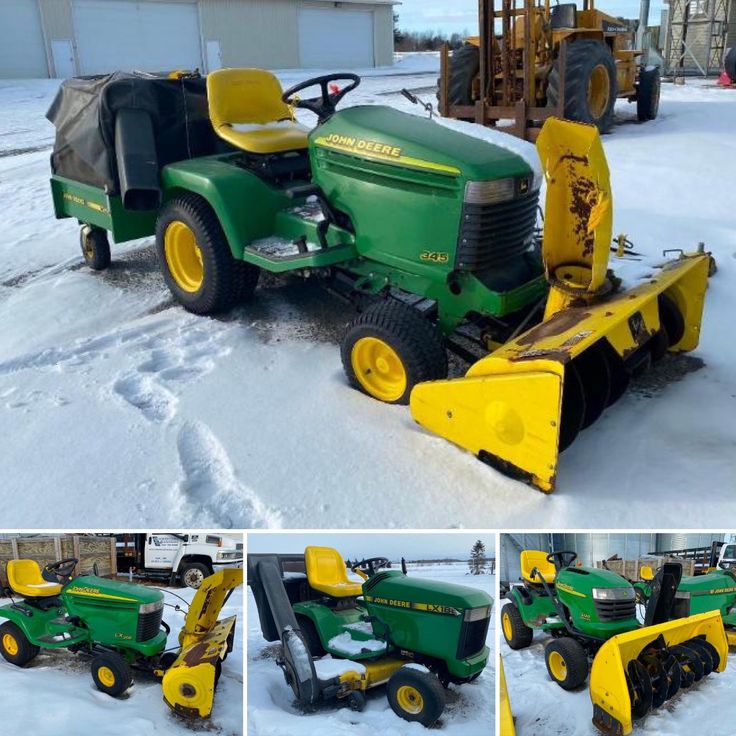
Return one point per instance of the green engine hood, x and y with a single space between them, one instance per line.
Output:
714 583
388 135
395 588
91 588
584 579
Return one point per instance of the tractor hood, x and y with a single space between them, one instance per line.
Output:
395 589
385 135
714 583
91 588
583 580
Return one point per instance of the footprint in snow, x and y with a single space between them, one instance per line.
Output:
156 402
210 483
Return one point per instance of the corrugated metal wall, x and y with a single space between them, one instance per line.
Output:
509 569
685 541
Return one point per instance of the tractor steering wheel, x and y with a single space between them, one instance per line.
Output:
324 106
562 558
62 570
368 567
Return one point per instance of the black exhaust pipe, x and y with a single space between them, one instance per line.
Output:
137 162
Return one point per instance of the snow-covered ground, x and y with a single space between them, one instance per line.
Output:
128 408
272 710
55 696
541 708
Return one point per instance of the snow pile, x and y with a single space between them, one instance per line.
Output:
272 710
58 688
348 646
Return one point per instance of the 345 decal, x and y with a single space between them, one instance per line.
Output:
434 256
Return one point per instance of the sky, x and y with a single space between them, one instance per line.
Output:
413 546
452 16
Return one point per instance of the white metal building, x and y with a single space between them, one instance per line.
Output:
64 38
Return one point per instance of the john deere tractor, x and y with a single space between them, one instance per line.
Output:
590 614
119 627
431 231
415 636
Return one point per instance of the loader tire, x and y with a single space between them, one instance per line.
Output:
193 574
463 69
647 94
390 348
590 83
194 256
95 247
311 637
567 662
517 634
14 646
111 674
416 695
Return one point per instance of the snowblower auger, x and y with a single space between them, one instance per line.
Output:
639 670
523 404
189 684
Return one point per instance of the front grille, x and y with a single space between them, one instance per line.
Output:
615 610
491 234
148 625
472 637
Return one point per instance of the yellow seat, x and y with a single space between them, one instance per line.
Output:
326 573
530 559
24 577
252 98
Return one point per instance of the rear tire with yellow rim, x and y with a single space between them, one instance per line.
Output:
567 662
95 247
517 634
14 645
111 674
390 348
416 695
196 260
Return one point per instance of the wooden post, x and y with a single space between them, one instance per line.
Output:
57 547
480 105
444 102
14 547
75 552
113 556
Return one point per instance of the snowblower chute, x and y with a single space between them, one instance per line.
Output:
641 669
523 404
189 684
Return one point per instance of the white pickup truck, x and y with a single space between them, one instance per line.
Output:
187 558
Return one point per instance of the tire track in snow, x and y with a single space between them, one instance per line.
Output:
210 490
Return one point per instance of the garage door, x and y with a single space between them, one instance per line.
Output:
335 38
22 53
151 36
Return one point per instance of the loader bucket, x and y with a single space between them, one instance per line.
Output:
189 684
523 404
636 672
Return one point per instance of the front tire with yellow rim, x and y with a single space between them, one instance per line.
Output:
567 662
590 83
111 674
95 247
416 695
14 645
390 348
196 260
517 634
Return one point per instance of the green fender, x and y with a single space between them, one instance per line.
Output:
534 614
33 626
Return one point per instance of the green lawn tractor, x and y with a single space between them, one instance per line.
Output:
713 591
590 614
119 627
431 231
413 635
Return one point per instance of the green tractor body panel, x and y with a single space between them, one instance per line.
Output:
39 629
709 592
537 611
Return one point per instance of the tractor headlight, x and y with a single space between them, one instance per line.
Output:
150 607
488 192
477 614
614 594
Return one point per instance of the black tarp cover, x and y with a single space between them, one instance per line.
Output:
84 110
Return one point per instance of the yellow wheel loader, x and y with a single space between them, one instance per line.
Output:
520 406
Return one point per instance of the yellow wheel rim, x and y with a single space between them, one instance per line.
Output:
410 699
599 90
183 256
379 369
10 645
506 624
557 666
106 676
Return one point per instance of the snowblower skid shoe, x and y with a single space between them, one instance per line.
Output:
523 404
637 671
189 684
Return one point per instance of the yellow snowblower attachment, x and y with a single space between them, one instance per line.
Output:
507 718
523 404
642 669
189 684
